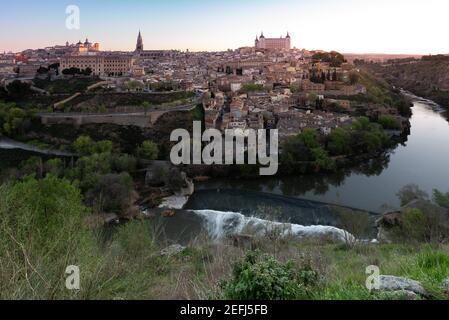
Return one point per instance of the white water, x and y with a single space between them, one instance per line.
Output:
223 224
9 144
174 202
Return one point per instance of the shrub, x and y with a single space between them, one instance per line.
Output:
261 277
426 225
112 193
149 150
442 199
123 162
355 223
83 145
135 239
41 233
388 122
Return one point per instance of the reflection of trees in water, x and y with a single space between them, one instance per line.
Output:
297 185
320 183
373 167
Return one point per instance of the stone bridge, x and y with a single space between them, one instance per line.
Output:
140 119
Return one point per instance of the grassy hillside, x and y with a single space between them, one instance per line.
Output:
44 229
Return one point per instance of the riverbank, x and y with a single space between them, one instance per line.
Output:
371 185
426 77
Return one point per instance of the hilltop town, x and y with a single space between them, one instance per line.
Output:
268 85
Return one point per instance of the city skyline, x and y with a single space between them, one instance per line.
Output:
404 27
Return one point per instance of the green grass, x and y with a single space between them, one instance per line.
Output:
44 229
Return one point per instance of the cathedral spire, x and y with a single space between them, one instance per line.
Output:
139 46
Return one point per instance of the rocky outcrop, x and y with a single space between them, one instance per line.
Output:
172 250
445 285
401 285
164 175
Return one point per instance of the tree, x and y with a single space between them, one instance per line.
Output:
42 230
18 90
146 106
361 123
322 159
440 198
389 122
54 66
339 142
411 192
149 150
323 77
112 193
87 71
356 223
71 71
15 121
84 145
134 85
42 70
104 146
335 59
309 137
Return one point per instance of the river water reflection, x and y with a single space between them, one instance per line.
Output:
422 160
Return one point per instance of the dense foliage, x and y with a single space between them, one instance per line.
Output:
14 120
259 277
309 147
335 59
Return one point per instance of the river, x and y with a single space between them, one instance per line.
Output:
227 205
422 160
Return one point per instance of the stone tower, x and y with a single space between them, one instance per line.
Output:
139 46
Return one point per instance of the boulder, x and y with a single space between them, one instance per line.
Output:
168 213
172 250
445 285
400 284
404 295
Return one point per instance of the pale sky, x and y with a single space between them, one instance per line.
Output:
359 26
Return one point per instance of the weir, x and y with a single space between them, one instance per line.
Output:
269 206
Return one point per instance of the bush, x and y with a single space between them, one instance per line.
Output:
427 225
261 277
388 122
41 233
135 239
442 199
149 150
84 145
112 193
355 223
